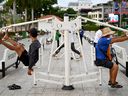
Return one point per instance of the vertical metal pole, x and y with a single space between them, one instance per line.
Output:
67 85
67 69
51 53
25 15
42 54
92 55
3 69
32 13
127 69
102 13
81 47
41 51
100 76
120 15
34 77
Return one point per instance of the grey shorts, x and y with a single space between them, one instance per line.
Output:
104 63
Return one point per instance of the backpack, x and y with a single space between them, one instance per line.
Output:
114 56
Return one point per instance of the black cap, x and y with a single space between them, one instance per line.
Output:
33 32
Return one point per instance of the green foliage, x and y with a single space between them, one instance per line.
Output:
90 26
119 33
118 1
70 11
60 13
1 23
9 3
124 16
1 1
11 34
40 7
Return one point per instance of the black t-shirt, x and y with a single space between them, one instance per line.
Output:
34 53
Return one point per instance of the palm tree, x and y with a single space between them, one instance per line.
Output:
13 4
23 4
34 4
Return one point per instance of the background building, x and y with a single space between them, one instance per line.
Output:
101 11
82 6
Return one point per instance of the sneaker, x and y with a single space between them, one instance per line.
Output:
109 83
72 58
14 86
116 86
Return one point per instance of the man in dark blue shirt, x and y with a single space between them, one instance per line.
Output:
29 58
81 35
103 57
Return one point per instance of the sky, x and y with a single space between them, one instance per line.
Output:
65 2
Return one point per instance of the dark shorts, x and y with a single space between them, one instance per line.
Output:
24 58
95 44
104 63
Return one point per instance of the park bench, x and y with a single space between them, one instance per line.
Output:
9 59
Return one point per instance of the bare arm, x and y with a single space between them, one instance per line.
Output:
119 39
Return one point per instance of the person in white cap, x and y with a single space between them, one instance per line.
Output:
102 54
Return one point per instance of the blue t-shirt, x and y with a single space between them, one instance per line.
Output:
103 45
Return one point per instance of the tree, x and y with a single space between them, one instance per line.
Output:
70 11
1 1
41 7
34 4
12 4
32 8
118 1
23 7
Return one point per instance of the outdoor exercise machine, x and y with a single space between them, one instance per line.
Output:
67 85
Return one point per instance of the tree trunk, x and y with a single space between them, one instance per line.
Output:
25 14
14 11
32 13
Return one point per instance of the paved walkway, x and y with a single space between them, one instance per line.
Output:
19 76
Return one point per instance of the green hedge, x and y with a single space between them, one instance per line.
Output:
90 26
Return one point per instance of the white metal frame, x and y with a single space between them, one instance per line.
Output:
67 76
